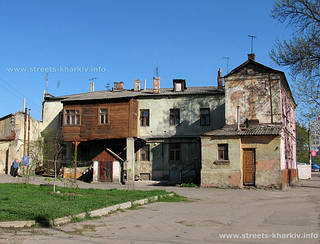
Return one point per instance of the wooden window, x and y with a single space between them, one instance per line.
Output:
145 153
72 117
174 151
174 116
204 116
103 116
144 117
223 152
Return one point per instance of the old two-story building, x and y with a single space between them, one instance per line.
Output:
18 132
238 133
257 145
141 134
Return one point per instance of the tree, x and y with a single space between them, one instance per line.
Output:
302 138
302 53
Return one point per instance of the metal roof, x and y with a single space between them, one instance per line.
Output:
252 130
103 95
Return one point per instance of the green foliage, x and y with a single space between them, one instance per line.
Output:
188 185
32 202
302 52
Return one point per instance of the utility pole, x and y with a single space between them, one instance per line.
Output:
29 120
25 131
252 37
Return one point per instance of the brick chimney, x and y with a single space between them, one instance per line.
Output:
156 84
252 56
219 80
137 85
118 86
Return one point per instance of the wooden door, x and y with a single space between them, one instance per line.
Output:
105 171
249 169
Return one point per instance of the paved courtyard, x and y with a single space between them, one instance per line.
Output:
208 214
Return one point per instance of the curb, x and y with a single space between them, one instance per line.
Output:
94 213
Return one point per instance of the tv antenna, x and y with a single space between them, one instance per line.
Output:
157 71
252 38
227 60
108 86
46 83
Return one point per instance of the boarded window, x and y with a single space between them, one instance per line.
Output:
174 152
174 116
103 116
145 153
204 116
144 117
72 117
223 152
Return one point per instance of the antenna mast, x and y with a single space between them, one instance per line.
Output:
227 60
252 37
46 83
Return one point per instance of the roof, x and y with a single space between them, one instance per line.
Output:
6 116
103 95
263 69
252 130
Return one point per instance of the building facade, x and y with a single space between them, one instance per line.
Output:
257 145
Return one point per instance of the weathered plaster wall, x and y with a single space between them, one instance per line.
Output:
51 117
267 149
15 147
220 175
189 115
289 134
252 94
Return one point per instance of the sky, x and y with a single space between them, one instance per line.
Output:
123 40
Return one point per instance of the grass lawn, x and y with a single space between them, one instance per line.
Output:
33 202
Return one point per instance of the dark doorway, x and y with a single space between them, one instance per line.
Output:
105 171
6 169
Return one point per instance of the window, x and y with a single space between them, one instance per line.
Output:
103 116
145 153
223 152
72 117
174 151
204 116
144 117
174 116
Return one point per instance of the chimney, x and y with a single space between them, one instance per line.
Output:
145 85
156 85
179 85
220 80
118 86
137 85
91 89
252 56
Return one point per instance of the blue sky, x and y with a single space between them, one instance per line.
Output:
127 40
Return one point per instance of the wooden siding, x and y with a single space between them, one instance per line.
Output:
122 121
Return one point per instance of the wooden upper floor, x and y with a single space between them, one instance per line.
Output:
103 120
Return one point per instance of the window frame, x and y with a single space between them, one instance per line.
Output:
77 117
225 151
144 119
146 150
174 118
205 121
106 117
175 151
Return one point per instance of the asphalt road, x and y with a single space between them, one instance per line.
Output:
259 216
